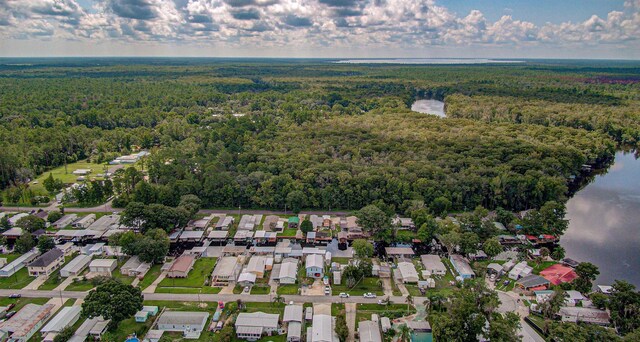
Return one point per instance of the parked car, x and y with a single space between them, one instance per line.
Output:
11 306
327 290
10 314
15 295
369 295
344 295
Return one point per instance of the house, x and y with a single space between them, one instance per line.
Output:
231 250
478 255
369 331
270 222
399 252
311 237
226 271
585 315
74 267
103 266
262 236
24 324
153 335
93 249
404 223
146 312
419 326
66 248
316 222
315 266
15 218
406 272
461 266
385 324
243 236
17 264
246 279
433 264
201 224
81 172
292 313
106 222
190 324
494 268
558 274
134 267
191 236
532 282
67 317
46 263
521 269
249 222
605 289
322 329
573 297
13 233
543 295
256 265
85 221
64 221
251 326
308 313
93 327
225 222
293 222
288 271
218 235
181 266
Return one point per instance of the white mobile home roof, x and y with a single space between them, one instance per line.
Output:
65 220
85 221
66 317
225 266
19 262
257 319
13 232
105 223
314 260
292 313
432 262
322 329
103 263
256 264
288 269
218 234
77 264
183 318
247 277
369 331
408 271
15 218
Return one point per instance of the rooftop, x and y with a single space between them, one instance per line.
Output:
26 319
47 258
183 263
183 317
558 274
399 251
257 319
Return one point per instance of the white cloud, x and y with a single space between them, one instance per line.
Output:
273 24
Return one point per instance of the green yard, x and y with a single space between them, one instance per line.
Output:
289 232
151 275
260 290
203 290
67 177
541 266
127 327
201 271
20 302
342 261
364 311
365 285
288 289
18 280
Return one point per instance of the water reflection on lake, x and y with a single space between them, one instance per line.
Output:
434 107
604 226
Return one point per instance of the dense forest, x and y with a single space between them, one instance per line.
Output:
255 133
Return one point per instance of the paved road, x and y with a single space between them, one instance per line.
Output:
209 297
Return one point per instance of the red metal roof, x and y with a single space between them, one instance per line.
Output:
557 274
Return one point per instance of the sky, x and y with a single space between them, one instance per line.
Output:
602 29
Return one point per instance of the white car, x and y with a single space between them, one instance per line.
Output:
344 295
369 295
327 290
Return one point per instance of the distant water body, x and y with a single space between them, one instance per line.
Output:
433 107
604 222
426 61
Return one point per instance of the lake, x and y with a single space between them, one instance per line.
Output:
433 107
604 226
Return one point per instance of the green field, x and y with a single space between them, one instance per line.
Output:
362 287
201 271
17 281
67 176
288 289
364 311
151 275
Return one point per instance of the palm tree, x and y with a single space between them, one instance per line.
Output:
386 301
404 333
409 301
278 299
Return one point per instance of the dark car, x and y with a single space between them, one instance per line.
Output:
11 306
15 295
10 314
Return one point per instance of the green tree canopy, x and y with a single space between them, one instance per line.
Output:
113 300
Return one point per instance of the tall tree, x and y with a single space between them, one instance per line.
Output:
492 247
362 248
24 243
113 300
587 273
45 243
377 222
31 223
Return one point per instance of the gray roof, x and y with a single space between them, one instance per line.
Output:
433 262
66 317
257 319
419 325
532 281
294 330
47 258
183 317
77 263
292 313
369 331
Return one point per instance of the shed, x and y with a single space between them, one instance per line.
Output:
104 266
385 323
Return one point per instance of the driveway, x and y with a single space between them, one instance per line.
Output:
350 315
152 288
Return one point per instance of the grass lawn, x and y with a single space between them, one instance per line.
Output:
20 302
260 290
289 232
151 275
17 281
182 306
66 177
543 265
364 311
288 289
276 308
80 285
204 289
201 270
336 309
127 327
342 261
362 287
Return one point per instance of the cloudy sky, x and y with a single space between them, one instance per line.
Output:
322 28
